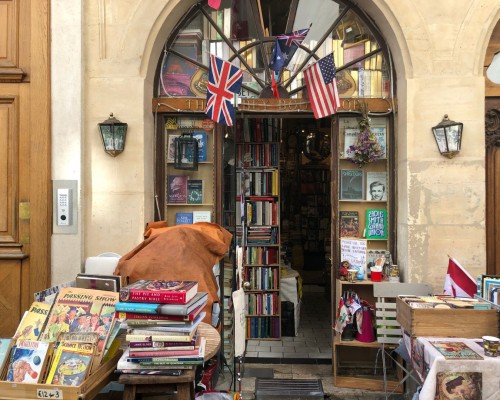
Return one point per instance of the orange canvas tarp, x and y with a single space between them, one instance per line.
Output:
181 252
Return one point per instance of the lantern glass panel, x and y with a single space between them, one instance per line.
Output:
453 138
440 139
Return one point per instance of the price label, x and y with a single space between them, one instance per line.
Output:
49 394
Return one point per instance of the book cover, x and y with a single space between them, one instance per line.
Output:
456 350
5 348
202 216
195 191
350 137
376 224
380 134
33 321
28 361
171 147
452 385
82 310
201 137
200 299
159 291
376 185
177 189
129 316
71 363
111 283
349 223
183 218
351 184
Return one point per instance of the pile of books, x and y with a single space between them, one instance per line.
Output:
161 320
62 342
445 301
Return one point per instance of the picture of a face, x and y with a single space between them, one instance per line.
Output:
377 191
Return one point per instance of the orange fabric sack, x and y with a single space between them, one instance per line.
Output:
181 252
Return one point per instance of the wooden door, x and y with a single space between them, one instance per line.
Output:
25 211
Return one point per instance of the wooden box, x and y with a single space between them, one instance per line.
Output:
451 322
87 390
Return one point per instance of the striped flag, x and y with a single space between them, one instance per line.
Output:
322 87
458 282
214 4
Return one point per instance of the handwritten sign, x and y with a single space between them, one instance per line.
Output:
354 251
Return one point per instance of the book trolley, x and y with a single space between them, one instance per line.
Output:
87 390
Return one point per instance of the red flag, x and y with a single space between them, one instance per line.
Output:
322 87
214 3
274 86
458 282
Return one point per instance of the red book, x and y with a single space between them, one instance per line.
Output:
159 317
159 345
159 291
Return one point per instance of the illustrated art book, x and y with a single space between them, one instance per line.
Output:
351 184
33 321
349 223
71 364
29 358
459 385
159 291
456 351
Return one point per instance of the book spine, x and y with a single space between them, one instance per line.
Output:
164 353
157 338
159 345
194 361
146 296
151 317
144 308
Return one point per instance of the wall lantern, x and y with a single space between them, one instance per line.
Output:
113 134
448 135
186 152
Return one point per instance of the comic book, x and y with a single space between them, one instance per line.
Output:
71 363
33 321
28 362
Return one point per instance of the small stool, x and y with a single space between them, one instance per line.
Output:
158 384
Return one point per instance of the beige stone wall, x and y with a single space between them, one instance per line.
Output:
438 49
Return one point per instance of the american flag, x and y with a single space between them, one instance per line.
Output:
285 47
322 87
224 79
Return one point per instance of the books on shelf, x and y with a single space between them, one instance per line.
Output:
202 216
33 321
71 364
195 191
349 223
199 300
351 184
376 185
159 291
183 218
28 361
376 224
177 189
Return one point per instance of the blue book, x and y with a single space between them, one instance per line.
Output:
201 137
198 300
182 218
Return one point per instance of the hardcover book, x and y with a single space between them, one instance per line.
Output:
201 137
183 218
159 291
195 191
177 189
202 216
451 385
200 299
177 329
28 361
376 185
155 336
456 351
349 223
71 364
351 184
148 346
376 224
132 316
33 321
82 310
123 364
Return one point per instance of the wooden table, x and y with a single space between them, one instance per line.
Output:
182 384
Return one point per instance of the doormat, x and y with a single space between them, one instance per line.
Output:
290 389
258 373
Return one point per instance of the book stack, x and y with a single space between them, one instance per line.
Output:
161 320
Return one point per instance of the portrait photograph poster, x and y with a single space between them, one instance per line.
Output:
373 176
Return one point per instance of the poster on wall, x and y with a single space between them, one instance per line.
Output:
354 251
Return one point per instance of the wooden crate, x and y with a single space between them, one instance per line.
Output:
452 322
87 390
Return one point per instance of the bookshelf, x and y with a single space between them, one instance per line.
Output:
258 223
189 194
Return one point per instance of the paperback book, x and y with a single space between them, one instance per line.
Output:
71 364
177 189
33 321
28 362
183 218
202 216
349 223
376 224
200 299
456 350
201 137
351 184
195 191
159 291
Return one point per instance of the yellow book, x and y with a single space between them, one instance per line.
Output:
33 321
71 363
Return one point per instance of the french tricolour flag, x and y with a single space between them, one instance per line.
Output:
458 282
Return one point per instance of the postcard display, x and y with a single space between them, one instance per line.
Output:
189 193
362 230
257 223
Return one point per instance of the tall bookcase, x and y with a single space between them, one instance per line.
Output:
196 201
363 196
258 222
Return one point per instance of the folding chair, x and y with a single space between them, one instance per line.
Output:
389 333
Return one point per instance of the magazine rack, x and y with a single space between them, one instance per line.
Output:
89 389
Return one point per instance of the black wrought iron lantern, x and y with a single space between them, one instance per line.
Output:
186 152
113 135
448 135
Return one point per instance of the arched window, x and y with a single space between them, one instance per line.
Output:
244 32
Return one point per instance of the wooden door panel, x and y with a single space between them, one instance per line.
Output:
10 287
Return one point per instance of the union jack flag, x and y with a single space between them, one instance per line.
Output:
224 79
285 47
